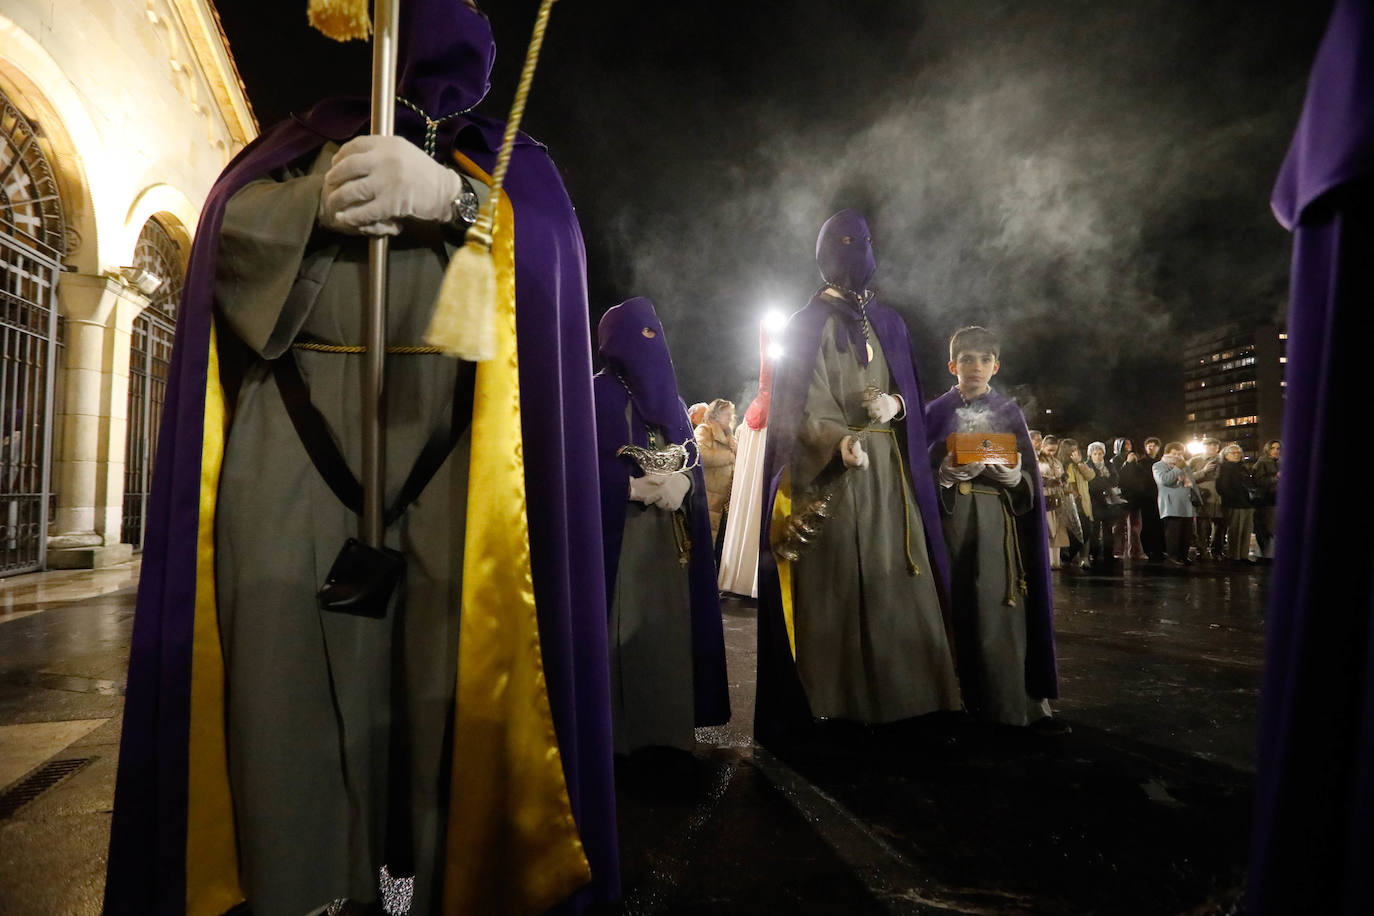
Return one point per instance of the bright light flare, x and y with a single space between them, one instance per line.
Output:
1196 447
775 351
774 320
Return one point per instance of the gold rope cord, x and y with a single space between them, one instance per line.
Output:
353 349
912 568
485 223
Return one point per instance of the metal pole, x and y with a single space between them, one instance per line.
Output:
374 323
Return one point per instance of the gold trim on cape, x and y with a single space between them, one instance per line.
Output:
212 865
513 846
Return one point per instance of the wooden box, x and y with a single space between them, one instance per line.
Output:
989 448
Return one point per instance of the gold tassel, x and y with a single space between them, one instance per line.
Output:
341 20
464 313
464 322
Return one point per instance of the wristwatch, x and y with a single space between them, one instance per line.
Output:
465 204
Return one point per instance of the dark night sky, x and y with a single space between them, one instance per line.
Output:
1091 178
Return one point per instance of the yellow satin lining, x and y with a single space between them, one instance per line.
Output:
782 514
212 868
513 846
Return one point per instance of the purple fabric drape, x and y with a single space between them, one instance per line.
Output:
146 872
1313 837
1042 677
781 704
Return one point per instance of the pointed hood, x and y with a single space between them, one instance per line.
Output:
844 251
630 339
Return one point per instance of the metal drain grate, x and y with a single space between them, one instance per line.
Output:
38 782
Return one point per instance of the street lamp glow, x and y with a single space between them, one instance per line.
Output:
775 351
774 320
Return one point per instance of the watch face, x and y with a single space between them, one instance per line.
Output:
467 203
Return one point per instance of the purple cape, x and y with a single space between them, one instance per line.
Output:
1313 840
1042 678
781 703
710 686
147 857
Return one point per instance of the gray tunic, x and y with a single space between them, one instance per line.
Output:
651 632
313 697
986 570
871 643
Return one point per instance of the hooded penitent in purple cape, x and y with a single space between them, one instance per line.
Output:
854 628
218 751
667 662
999 413
1314 788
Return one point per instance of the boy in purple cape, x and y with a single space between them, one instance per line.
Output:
667 643
276 754
996 532
851 565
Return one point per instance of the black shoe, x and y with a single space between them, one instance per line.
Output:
1049 725
1175 564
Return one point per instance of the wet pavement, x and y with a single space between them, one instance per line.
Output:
1143 808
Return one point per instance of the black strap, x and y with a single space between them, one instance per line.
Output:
324 451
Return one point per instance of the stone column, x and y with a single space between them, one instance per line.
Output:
93 419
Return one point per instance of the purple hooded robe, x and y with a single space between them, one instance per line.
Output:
445 56
1042 679
845 255
646 367
1313 841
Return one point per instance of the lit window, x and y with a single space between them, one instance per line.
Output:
1283 359
1283 335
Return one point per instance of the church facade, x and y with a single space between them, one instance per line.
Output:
116 116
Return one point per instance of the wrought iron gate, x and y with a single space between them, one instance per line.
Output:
32 241
149 359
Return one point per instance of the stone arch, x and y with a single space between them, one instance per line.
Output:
65 128
173 211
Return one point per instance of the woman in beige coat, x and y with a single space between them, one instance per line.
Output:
716 443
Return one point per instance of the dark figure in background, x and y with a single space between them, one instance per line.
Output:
1077 477
1266 473
667 645
1239 495
1142 496
278 752
994 518
852 625
1176 510
1108 505
1209 529
1126 529
1314 781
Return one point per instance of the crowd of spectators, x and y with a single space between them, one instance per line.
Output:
1161 505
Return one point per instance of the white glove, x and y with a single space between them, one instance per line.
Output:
673 490
852 452
950 473
883 407
373 182
1004 475
645 489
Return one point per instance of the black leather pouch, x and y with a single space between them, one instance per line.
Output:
362 580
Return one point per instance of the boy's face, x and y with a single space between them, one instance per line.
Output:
974 370
1174 453
1152 448
1212 449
